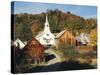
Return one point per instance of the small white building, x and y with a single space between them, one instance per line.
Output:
83 38
46 37
19 43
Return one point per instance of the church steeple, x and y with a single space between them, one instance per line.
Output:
47 28
46 18
46 22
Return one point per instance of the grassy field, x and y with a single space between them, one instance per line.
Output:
69 57
82 54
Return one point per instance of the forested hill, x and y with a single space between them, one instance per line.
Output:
28 25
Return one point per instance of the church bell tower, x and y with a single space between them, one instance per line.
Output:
46 28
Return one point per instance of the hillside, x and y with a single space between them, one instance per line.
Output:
28 25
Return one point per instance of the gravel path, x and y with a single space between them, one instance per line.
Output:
57 58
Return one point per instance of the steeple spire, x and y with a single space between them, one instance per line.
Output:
46 18
46 28
47 23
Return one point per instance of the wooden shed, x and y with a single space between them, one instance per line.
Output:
34 51
65 37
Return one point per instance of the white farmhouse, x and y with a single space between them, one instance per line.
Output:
19 43
83 38
46 37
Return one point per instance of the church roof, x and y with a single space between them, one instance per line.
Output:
39 34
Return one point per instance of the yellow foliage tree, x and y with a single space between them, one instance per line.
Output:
93 37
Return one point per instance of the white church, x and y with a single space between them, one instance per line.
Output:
46 37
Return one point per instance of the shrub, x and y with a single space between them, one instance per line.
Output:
68 51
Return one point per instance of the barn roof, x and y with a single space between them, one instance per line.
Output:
33 41
60 34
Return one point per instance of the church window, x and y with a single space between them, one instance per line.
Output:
47 34
47 26
44 38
